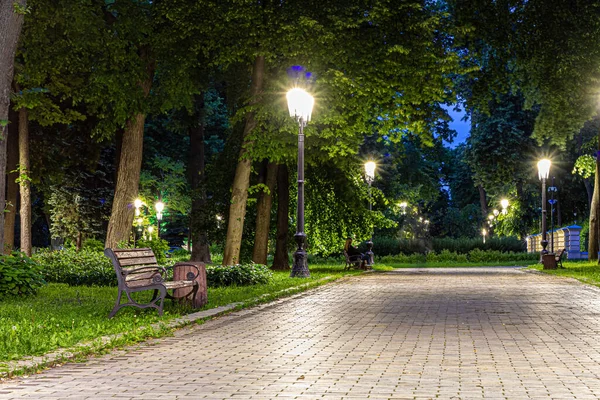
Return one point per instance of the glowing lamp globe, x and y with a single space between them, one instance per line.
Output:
300 104
544 168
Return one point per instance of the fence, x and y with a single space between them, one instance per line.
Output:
567 237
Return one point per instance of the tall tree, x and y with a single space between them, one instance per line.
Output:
263 216
11 21
12 192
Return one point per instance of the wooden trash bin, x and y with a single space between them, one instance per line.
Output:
549 261
180 271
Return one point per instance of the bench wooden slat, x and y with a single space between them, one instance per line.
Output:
138 261
133 253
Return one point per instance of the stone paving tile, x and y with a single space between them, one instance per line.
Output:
493 333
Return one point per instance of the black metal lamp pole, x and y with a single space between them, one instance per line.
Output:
552 189
370 254
300 266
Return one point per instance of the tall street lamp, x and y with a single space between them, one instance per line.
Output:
159 207
370 177
300 104
483 233
543 172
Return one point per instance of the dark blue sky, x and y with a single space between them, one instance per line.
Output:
461 127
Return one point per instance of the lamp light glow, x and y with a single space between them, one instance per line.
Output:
137 203
495 212
544 168
300 104
504 204
370 169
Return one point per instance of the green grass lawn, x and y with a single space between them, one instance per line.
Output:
585 271
61 316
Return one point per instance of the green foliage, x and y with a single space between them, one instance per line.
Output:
239 275
84 267
464 246
158 246
19 275
93 245
585 166
451 257
383 246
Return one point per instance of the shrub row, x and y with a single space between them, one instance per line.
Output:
475 256
19 275
93 268
240 275
85 267
391 246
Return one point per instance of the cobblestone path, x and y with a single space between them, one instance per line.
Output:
493 333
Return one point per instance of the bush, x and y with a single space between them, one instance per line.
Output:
465 245
19 275
240 275
85 267
93 245
158 246
383 246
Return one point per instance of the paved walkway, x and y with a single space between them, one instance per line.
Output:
489 333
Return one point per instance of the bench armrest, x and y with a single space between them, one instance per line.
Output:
161 272
190 275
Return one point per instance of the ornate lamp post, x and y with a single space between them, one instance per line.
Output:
159 207
370 177
300 105
543 172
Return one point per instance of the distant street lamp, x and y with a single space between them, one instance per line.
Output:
300 105
150 230
370 177
543 172
495 212
137 203
504 204
483 233
159 206
403 206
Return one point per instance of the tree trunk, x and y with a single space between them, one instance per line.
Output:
522 201
10 30
482 202
198 219
128 179
24 182
12 191
281 259
263 217
241 181
130 165
589 190
594 213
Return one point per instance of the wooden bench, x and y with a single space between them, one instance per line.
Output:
354 261
558 257
138 270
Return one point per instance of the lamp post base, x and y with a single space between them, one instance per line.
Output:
300 266
370 254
